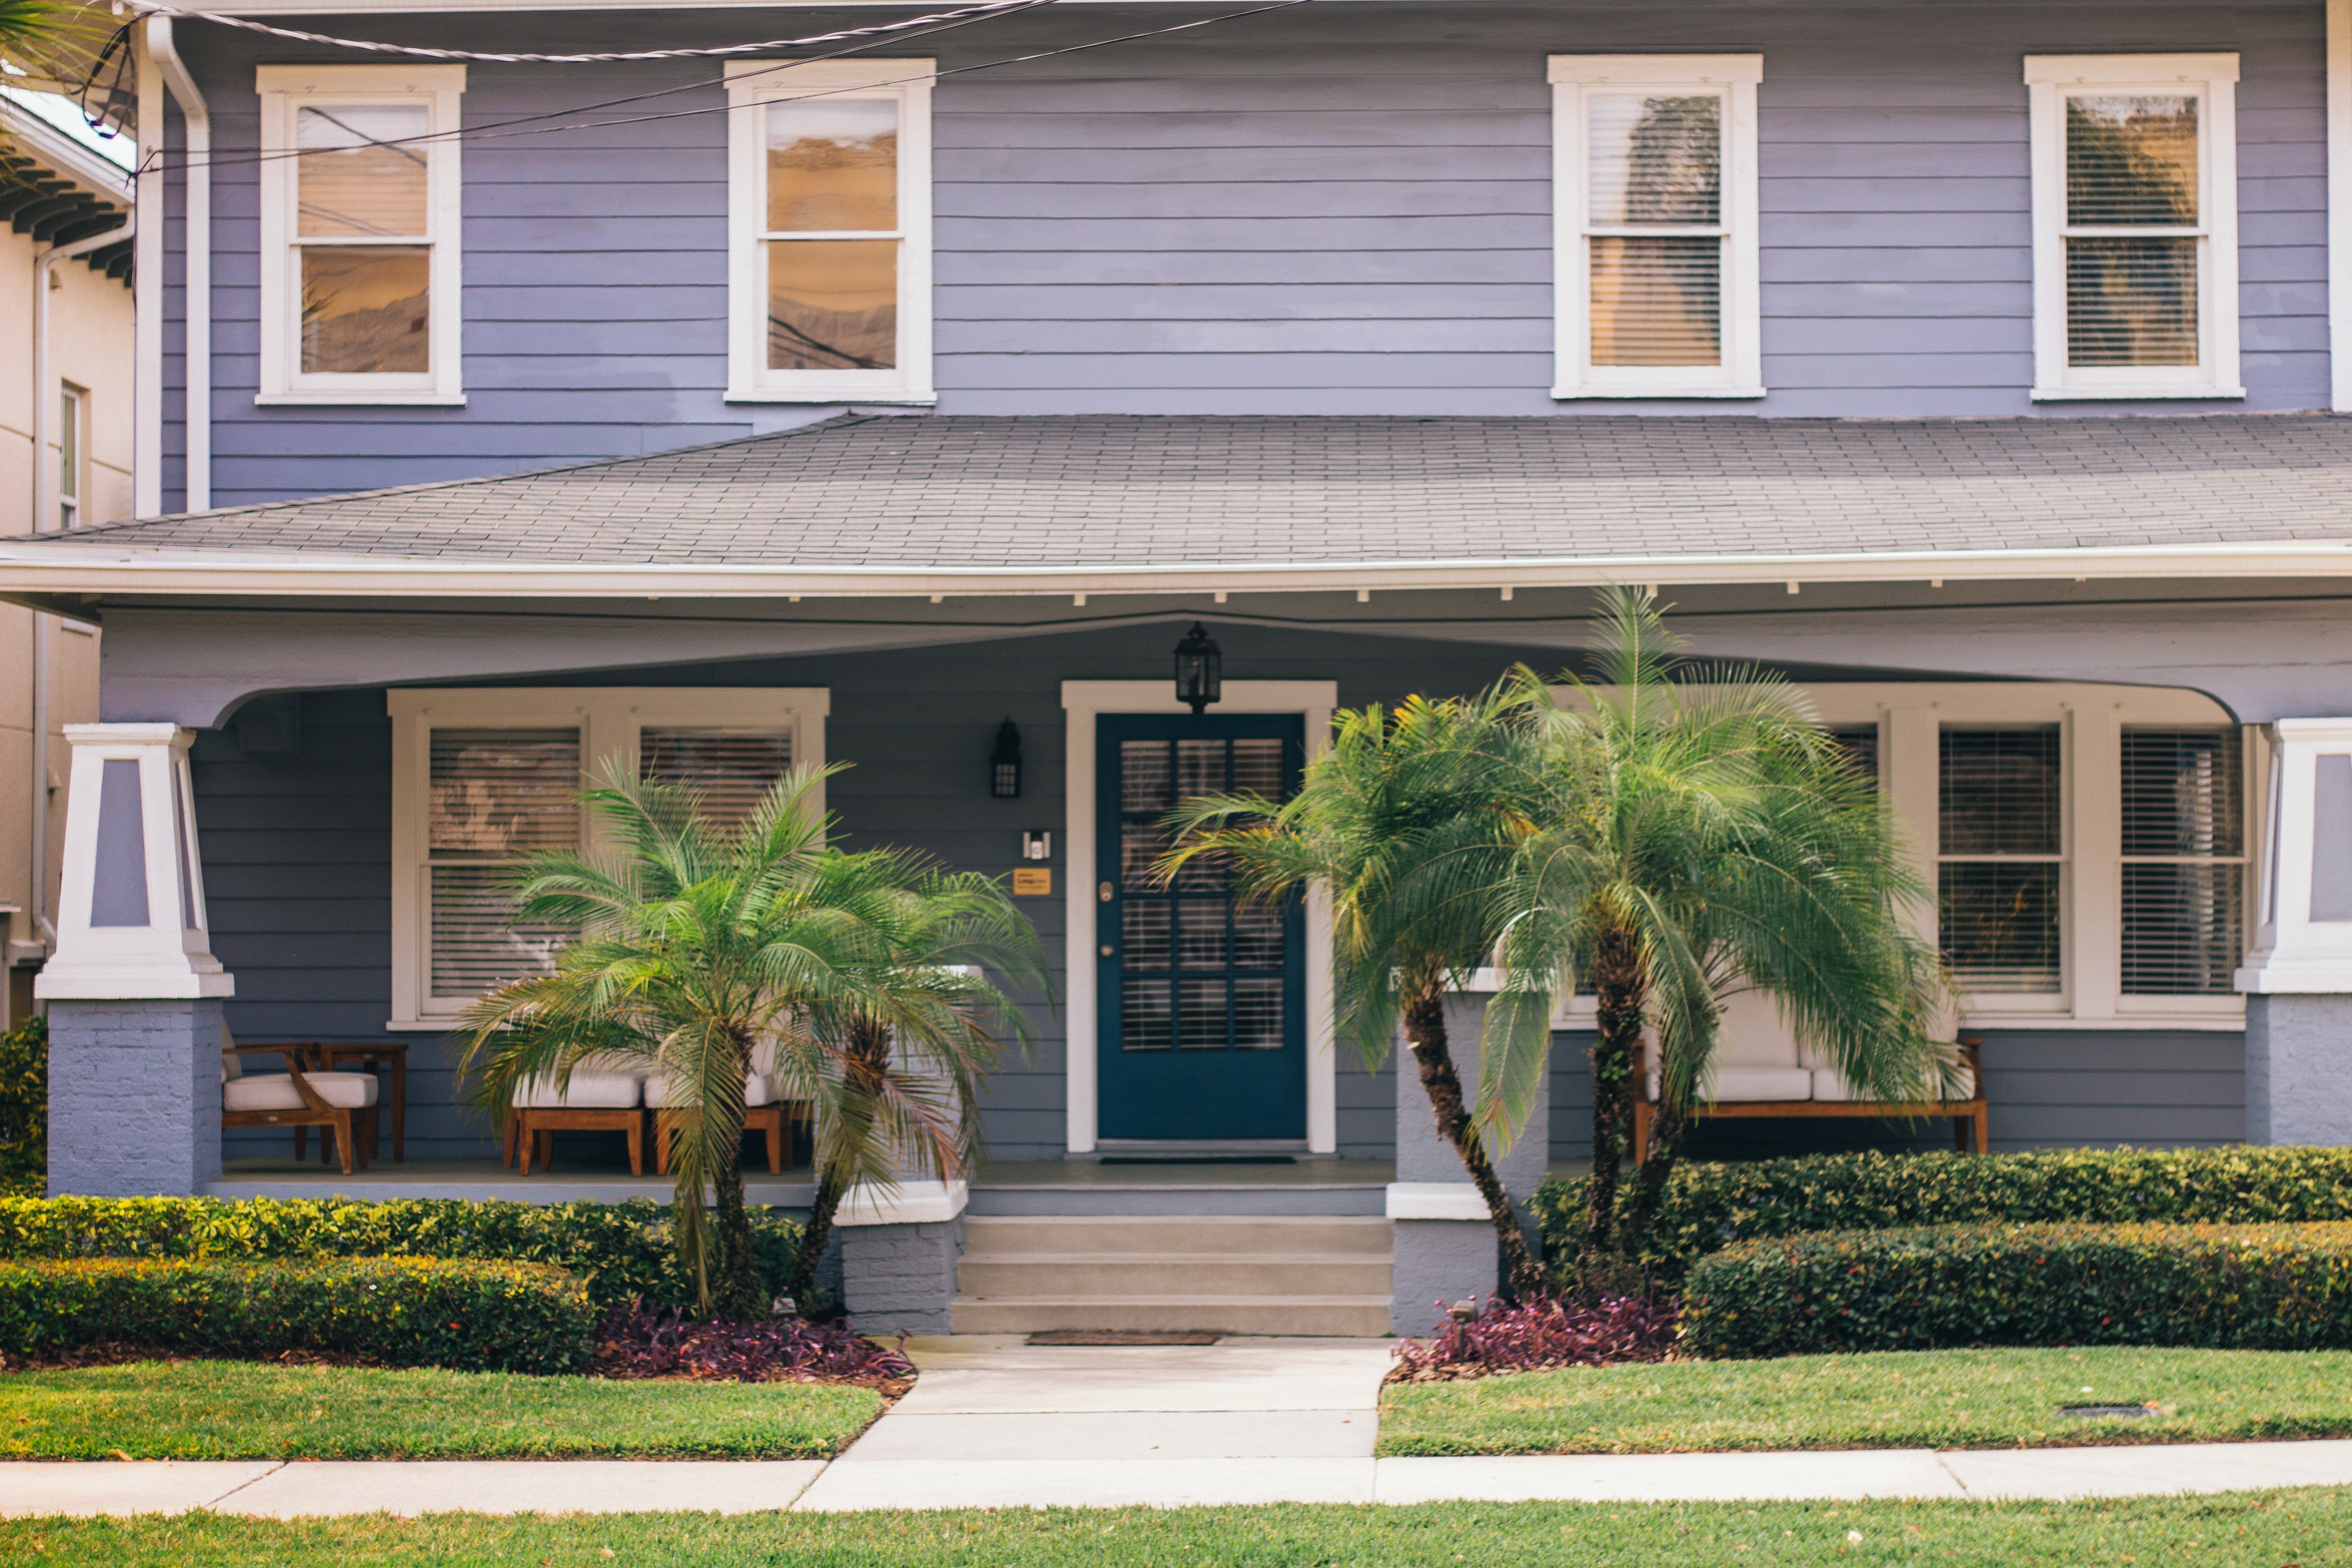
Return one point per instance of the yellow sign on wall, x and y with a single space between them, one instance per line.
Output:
1032 882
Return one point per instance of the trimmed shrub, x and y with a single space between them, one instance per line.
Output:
1709 1207
619 1251
470 1315
2249 1287
24 1106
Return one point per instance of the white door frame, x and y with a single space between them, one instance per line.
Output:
1082 703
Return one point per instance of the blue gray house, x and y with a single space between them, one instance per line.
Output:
900 394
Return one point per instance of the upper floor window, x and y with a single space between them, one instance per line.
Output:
2135 226
1655 224
830 228
359 234
73 419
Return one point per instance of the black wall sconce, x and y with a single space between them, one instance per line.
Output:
1004 764
1200 669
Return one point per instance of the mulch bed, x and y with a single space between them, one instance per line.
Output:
1545 1335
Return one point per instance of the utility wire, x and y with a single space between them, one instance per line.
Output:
527 127
880 29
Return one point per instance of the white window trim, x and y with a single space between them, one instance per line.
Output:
610 718
1082 703
287 88
1910 719
751 84
2213 77
1736 77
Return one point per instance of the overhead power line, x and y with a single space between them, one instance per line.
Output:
880 29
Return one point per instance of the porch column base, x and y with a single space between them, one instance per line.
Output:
898 1252
134 1097
1440 1260
2298 1069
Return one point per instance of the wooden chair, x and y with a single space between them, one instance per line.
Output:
1967 1115
296 1100
600 1096
768 1119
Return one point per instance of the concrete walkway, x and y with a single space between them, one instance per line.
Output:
994 1423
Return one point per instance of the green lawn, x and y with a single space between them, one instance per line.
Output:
1940 1399
2307 1529
239 1410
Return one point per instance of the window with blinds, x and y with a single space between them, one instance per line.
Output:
730 771
494 795
2184 861
1860 744
2002 857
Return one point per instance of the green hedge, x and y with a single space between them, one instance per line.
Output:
2217 1287
408 1311
1709 1207
617 1250
25 1105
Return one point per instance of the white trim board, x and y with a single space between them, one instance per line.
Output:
1082 701
2339 203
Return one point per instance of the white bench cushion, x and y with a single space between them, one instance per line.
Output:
1828 1085
759 1088
1741 1084
276 1091
587 1091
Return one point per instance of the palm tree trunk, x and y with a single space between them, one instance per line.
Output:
814 1239
868 1054
1618 993
1649 1195
1424 1033
735 1289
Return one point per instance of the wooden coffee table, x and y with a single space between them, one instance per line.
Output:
388 1059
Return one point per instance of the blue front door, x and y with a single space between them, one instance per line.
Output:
1203 1008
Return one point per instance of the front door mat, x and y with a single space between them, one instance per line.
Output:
1122 1337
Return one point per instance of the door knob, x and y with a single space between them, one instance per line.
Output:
1107 950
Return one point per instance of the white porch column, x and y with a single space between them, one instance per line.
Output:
2298 978
133 991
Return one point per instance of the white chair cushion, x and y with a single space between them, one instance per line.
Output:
276 1091
1741 1084
759 1088
588 1091
1828 1085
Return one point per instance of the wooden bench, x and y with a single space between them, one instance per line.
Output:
1967 1115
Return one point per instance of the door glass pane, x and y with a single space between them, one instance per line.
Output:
731 770
1999 923
1144 1024
832 165
1200 768
1258 937
1142 844
1143 776
1257 768
1656 160
1143 933
2131 160
1258 1015
832 304
349 183
1200 935
2131 300
367 309
1200 1016
1657 301
2000 790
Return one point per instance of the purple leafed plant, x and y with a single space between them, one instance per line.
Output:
1534 1336
640 1341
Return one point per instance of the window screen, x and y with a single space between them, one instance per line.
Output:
2184 861
2133 250
2001 880
495 793
731 770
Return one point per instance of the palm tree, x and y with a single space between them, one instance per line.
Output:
927 936
1702 832
700 946
1411 820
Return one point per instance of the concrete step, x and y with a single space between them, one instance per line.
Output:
1039 1275
1349 1316
1267 1236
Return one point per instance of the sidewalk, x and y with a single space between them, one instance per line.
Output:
997 1424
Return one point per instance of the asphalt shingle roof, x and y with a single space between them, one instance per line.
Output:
951 492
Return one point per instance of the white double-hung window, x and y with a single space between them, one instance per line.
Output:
482 776
1654 225
2135 226
360 262
829 230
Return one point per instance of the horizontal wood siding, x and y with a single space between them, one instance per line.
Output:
1343 209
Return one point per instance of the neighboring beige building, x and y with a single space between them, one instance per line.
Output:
54 194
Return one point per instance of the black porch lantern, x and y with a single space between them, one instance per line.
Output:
1200 669
1004 764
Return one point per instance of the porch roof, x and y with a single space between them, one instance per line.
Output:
1047 503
